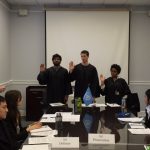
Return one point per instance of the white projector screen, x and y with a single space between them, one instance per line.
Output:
105 34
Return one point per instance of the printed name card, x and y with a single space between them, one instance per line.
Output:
101 138
65 142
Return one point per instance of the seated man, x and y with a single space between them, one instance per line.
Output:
6 142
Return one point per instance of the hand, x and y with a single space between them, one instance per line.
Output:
2 88
102 79
35 125
71 66
42 67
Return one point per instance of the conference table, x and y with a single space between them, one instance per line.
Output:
100 120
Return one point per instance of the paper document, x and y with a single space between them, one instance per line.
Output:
94 105
64 113
40 140
42 129
71 118
56 104
45 133
136 125
135 119
66 117
139 131
113 105
37 147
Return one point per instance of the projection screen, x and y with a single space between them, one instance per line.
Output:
105 34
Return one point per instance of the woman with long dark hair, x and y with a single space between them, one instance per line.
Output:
14 99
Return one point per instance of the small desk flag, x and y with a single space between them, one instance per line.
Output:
88 98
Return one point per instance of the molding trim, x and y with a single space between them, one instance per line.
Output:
139 83
6 83
35 82
24 82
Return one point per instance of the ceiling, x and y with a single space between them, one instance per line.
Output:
81 3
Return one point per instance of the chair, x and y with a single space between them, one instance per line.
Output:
133 103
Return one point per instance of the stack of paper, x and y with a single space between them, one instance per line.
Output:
134 119
36 147
48 118
139 131
44 131
136 126
71 118
40 140
66 117
113 105
94 105
56 104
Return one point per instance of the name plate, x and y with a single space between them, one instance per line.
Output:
65 142
101 138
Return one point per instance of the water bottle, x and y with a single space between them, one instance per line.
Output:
123 103
78 105
58 122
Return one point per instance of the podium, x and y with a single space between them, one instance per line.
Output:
35 96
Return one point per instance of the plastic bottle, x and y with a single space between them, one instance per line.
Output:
79 105
58 122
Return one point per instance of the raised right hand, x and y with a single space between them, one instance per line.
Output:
42 67
102 79
71 66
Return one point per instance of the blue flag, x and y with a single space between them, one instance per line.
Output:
88 98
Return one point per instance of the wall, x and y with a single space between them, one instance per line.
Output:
4 44
27 49
140 54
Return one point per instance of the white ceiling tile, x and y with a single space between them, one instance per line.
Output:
47 2
23 2
115 2
106 2
138 2
92 1
70 1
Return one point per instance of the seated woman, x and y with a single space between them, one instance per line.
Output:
13 99
114 88
147 109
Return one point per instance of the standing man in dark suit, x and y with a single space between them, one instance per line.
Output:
57 80
6 142
85 75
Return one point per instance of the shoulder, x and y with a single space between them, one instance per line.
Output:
63 69
108 79
121 80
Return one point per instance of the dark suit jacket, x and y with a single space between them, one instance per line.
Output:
6 141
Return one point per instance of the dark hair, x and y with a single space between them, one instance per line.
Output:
85 52
147 93
117 67
56 56
12 98
2 99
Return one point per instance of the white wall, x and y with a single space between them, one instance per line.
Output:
28 51
140 54
4 44
27 45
